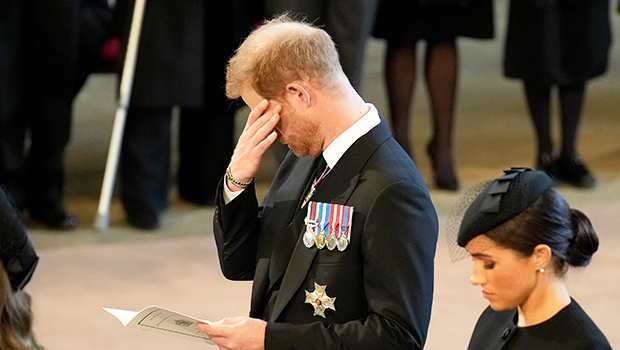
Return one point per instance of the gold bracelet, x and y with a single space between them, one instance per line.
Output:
236 182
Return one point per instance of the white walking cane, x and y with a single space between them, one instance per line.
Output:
102 222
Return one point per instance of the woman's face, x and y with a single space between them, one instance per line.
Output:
506 279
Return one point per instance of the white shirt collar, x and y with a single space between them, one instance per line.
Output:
341 144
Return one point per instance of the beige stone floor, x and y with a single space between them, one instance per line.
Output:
82 271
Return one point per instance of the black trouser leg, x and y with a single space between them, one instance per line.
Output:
145 161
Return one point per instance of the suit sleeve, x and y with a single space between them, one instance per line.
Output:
398 244
236 227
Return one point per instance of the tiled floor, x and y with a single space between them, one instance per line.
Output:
82 271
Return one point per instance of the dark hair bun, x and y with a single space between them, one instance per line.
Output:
585 240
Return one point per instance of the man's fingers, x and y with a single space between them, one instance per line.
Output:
258 135
261 114
256 113
268 141
230 320
205 328
265 129
265 119
214 330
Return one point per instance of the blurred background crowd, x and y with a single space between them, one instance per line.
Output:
50 48
470 87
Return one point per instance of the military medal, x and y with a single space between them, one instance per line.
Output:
323 222
328 225
308 237
345 229
319 300
311 226
320 241
343 243
332 239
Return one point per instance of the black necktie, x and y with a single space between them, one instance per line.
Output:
321 165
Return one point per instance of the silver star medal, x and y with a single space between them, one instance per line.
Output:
319 300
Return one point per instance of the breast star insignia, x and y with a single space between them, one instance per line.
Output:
319 300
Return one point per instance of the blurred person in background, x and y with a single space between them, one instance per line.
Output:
404 23
563 44
47 49
181 62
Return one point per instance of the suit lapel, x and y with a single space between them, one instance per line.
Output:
282 245
336 188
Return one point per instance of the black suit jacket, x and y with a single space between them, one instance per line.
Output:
383 282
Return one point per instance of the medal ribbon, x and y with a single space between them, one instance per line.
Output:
348 213
315 183
311 221
314 217
341 220
323 217
333 218
348 224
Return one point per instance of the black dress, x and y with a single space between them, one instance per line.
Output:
557 42
407 21
569 329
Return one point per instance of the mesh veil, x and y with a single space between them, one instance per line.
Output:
455 217
490 204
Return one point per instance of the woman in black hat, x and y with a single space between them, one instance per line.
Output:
523 236
18 260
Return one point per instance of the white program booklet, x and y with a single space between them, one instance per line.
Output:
160 320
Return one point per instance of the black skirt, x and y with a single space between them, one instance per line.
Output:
407 21
557 42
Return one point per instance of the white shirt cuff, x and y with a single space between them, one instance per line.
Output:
228 194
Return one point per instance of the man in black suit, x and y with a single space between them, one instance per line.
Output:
341 249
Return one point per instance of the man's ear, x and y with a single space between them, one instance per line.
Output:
542 256
299 92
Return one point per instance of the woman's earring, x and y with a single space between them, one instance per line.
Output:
542 270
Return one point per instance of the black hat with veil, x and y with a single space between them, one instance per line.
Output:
489 204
